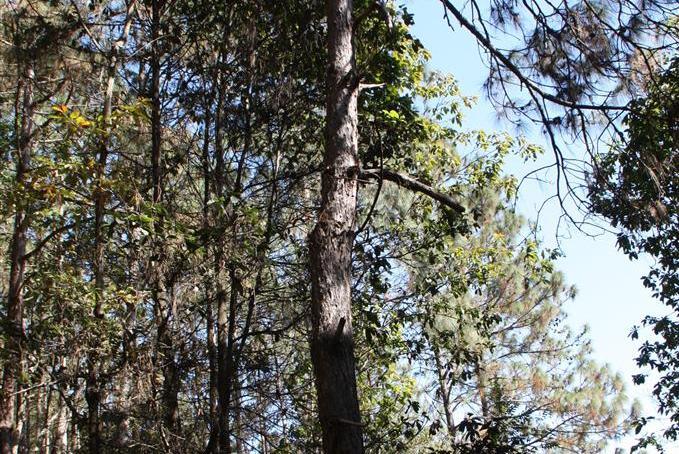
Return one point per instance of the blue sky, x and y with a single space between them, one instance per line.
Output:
611 298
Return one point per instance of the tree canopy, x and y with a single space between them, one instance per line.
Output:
252 226
635 187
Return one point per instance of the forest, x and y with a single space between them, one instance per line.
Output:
255 226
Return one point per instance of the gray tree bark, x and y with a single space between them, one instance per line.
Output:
331 242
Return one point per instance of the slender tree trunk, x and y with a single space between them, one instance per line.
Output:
31 439
212 357
218 426
93 392
444 389
209 282
93 399
13 366
238 422
60 438
114 61
100 195
331 242
171 372
47 423
481 388
155 101
74 441
226 323
228 352
166 348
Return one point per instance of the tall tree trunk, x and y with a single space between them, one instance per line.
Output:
45 430
114 61
155 103
331 242
73 437
166 348
212 357
24 425
219 441
228 352
13 366
208 282
238 422
226 323
93 392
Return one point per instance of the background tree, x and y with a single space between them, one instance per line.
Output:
582 69
528 382
635 187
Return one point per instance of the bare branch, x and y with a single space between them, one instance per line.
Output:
408 182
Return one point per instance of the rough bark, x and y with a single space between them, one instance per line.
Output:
331 242
74 435
60 443
45 430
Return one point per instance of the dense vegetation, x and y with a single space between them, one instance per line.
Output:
252 226
636 187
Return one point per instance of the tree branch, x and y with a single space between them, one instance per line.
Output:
40 244
408 182
485 42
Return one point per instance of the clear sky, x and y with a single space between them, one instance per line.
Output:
611 298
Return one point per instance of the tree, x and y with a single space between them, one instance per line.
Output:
480 322
529 382
581 65
635 186
331 243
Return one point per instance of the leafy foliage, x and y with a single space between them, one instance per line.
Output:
636 187
165 209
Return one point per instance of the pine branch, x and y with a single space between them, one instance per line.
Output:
412 184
